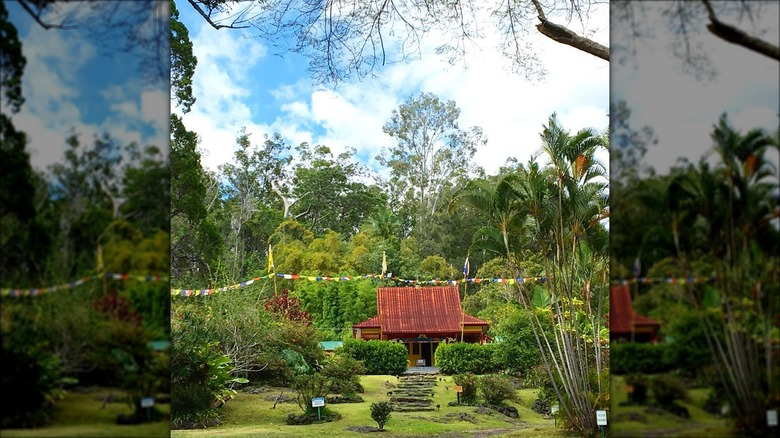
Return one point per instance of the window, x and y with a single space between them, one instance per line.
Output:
415 348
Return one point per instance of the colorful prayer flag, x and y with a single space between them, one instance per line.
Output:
270 260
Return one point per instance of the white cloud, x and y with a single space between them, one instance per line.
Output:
510 109
58 98
681 109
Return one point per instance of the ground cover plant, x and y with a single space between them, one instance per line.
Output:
249 415
92 412
647 418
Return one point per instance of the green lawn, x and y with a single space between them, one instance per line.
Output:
250 415
641 421
82 414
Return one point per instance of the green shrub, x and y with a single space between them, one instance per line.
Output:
344 373
687 349
639 383
378 357
626 358
195 372
460 357
308 387
518 351
469 383
536 377
666 389
30 382
380 412
495 388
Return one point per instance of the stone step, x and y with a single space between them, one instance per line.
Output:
415 385
426 391
422 401
413 408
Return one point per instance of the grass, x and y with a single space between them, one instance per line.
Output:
83 415
639 421
250 415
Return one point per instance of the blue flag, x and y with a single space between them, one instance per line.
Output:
636 267
466 268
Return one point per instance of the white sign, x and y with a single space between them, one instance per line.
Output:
554 408
771 417
724 409
147 402
317 402
601 418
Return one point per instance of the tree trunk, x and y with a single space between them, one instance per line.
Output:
563 35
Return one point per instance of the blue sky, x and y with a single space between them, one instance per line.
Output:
682 109
73 80
239 82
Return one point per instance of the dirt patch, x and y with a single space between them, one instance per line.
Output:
363 429
280 398
255 389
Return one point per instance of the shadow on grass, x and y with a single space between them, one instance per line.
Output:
92 412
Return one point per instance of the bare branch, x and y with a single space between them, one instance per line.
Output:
37 17
736 36
207 17
563 35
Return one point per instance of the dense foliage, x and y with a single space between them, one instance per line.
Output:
461 358
495 388
468 384
711 218
379 357
638 358
381 412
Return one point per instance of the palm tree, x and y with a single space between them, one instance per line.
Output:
720 217
747 273
556 210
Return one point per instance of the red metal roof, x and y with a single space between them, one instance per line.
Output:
419 310
369 323
470 320
621 312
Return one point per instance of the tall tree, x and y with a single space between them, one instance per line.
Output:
329 192
556 211
431 154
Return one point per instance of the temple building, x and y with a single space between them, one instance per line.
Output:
625 324
421 318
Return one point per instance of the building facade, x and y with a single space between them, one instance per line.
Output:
421 318
625 325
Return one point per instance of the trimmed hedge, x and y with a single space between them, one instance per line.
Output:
628 358
379 357
462 358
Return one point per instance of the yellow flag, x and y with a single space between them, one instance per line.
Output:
384 263
99 258
270 260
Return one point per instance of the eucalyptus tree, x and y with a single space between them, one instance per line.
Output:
246 194
432 153
556 211
330 192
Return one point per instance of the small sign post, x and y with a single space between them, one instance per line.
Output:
458 389
147 403
318 402
723 411
601 421
771 420
554 410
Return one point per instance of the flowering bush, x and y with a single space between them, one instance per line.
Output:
469 384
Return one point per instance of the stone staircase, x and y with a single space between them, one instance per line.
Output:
414 392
